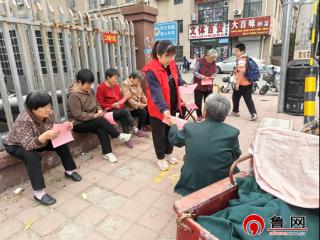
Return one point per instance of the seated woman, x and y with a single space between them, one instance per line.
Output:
31 134
108 96
211 147
137 101
88 116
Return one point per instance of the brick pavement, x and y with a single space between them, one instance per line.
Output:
127 200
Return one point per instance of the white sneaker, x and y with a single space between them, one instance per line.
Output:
253 117
171 159
123 137
163 165
110 157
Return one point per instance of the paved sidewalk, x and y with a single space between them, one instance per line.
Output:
128 200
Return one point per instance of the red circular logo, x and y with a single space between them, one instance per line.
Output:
253 225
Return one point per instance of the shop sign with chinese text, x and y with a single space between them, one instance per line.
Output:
209 30
250 26
110 38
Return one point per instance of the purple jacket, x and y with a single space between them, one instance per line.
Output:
202 67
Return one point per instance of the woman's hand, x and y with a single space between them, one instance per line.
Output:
100 113
70 127
167 115
202 77
142 105
116 105
48 135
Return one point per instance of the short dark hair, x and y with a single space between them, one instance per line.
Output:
111 72
163 47
37 100
85 76
136 74
241 47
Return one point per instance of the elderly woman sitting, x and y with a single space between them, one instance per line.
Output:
31 134
211 147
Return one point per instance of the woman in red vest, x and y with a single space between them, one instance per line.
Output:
205 67
163 81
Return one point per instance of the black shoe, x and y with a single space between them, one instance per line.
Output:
46 200
74 176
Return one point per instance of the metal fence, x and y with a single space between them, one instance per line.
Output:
40 52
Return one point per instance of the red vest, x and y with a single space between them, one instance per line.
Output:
162 77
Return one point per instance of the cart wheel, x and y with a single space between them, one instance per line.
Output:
264 90
224 89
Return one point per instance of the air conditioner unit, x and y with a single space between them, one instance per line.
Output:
237 12
102 2
226 3
193 17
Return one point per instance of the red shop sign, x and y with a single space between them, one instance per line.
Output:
109 38
250 26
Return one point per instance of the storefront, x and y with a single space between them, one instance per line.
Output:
211 35
253 32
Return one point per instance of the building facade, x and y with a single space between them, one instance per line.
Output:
221 24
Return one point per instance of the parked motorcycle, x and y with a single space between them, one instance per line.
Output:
270 84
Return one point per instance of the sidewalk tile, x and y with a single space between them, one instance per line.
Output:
133 210
61 197
110 182
94 176
25 235
33 213
165 203
49 223
126 189
92 215
147 195
138 232
17 206
77 187
96 236
9 228
73 207
155 219
114 227
3 217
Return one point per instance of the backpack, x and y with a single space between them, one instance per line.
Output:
252 71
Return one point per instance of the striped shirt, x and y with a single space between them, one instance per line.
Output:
240 71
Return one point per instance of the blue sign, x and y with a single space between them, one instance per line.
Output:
166 31
223 40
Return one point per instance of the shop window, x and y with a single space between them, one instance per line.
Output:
4 61
213 12
179 54
178 2
92 4
180 26
52 52
252 8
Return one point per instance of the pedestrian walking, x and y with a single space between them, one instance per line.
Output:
243 87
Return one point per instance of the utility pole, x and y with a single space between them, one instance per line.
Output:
286 30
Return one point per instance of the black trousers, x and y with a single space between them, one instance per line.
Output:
125 119
101 127
198 97
32 160
160 139
246 93
142 116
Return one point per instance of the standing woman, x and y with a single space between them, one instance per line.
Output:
31 134
163 81
204 67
